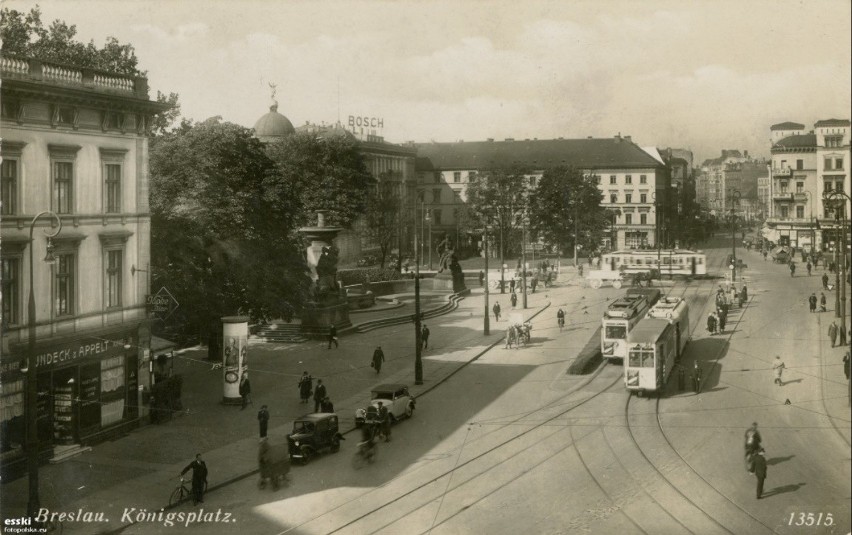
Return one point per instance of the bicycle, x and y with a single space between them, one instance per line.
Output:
181 493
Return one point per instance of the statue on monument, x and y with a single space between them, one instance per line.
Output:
445 249
327 271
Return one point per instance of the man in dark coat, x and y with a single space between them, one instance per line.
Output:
326 405
378 358
245 390
332 336
384 418
812 301
832 333
424 335
306 384
760 471
825 281
263 420
199 478
514 300
496 309
319 395
842 333
481 278
822 302
846 365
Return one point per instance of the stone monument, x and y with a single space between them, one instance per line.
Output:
328 303
450 275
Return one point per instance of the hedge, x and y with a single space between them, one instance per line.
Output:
349 277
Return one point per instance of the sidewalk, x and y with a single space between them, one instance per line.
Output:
141 469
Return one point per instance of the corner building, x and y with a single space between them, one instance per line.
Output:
75 142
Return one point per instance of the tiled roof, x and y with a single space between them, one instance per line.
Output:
803 140
832 122
538 154
787 126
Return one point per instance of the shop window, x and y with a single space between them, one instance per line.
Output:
13 426
113 277
64 284
9 179
11 272
112 390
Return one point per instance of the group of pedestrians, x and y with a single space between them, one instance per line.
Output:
717 319
322 403
812 302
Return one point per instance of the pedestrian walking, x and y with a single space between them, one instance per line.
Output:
752 440
534 283
778 369
245 390
711 323
512 285
496 310
263 420
384 419
744 293
319 395
723 320
510 336
808 266
812 302
481 278
199 478
760 471
378 358
734 295
332 336
424 335
846 365
514 300
765 253
825 281
326 405
792 269
306 385
832 332
842 333
822 302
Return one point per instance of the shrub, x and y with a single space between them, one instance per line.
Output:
349 277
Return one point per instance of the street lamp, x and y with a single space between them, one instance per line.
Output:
502 259
735 201
429 223
31 405
485 318
418 343
524 256
839 199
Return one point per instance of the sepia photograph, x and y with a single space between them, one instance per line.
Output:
421 267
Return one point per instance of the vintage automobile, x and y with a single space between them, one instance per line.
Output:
393 396
313 433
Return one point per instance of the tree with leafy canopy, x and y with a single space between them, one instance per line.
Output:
565 208
24 35
328 172
221 241
498 198
383 216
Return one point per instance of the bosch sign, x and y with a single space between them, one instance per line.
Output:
369 122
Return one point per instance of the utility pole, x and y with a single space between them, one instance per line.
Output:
524 256
576 231
486 319
418 344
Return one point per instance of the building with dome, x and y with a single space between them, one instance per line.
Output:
273 125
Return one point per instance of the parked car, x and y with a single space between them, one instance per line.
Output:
312 434
393 396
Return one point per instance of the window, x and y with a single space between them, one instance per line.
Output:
113 277
783 164
800 164
9 181
628 179
800 212
436 214
800 187
643 198
11 273
63 181
65 284
457 176
112 187
643 179
436 178
112 390
839 185
628 198
628 219
828 185
838 163
784 186
613 198
643 219
827 164
834 141
436 195
612 179
785 211
471 176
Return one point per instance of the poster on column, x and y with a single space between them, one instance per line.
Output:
234 355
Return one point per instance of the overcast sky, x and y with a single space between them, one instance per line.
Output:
703 75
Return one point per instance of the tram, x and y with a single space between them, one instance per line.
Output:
668 261
655 345
618 320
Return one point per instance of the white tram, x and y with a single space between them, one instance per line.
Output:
668 261
620 317
655 345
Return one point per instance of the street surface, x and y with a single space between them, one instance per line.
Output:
512 444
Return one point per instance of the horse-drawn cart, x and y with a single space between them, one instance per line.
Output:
598 277
274 463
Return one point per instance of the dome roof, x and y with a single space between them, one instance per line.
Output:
272 126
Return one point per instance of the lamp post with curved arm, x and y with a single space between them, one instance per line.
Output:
838 200
735 202
31 405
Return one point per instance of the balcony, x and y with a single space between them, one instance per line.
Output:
782 197
66 76
785 172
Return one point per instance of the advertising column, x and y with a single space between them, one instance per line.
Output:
234 353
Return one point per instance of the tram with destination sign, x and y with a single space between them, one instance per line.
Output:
667 261
656 345
619 318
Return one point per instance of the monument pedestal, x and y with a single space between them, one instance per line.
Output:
318 316
445 281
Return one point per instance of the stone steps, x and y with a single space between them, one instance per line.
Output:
289 333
